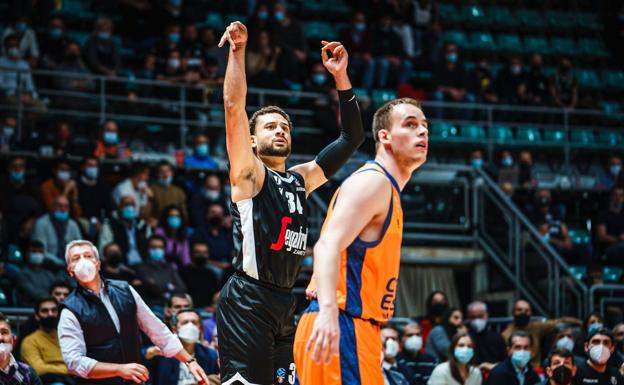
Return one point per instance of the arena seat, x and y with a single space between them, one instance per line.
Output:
530 18
474 14
473 132
449 12
583 137
563 46
580 237
214 20
613 79
509 43
443 130
579 272
501 134
610 138
588 78
612 274
560 20
482 40
381 96
554 136
528 135
457 37
318 30
586 20
536 44
593 47
502 16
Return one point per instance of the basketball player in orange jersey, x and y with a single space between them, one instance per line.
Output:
357 257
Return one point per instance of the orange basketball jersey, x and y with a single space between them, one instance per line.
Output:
369 270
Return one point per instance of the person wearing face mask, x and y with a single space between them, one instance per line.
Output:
19 201
440 336
592 322
510 84
41 349
126 229
173 229
11 370
100 50
166 193
610 228
28 45
289 37
101 323
516 369
559 236
8 133
12 63
599 346
114 268
201 281
136 186
55 229
391 372
563 86
415 364
617 358
110 145
389 53
61 183
211 192
436 305
508 171
452 81
561 368
609 175
170 40
167 371
357 38
564 339
200 158
460 368
218 235
159 279
537 82
490 347
53 43
33 279
95 198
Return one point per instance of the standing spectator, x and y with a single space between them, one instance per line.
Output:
28 47
113 258
173 229
200 158
18 200
441 335
357 40
211 192
262 59
563 87
490 347
451 80
170 42
159 279
53 43
109 145
415 364
390 369
536 82
166 193
288 36
459 369
436 305
388 53
55 229
201 281
211 52
33 279
100 49
190 45
127 230
516 368
136 187
511 83
95 198
426 30
218 235
16 75
560 369
599 346
610 228
11 370
61 184
41 349
72 62
609 177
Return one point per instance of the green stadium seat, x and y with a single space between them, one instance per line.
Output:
509 43
232 18
579 272
580 236
319 30
528 135
536 44
443 130
3 298
80 37
587 78
613 79
583 137
14 255
610 138
449 12
593 47
586 20
214 20
610 107
554 136
529 18
560 20
457 37
473 132
563 46
612 274
474 14
381 96
550 71
76 9
482 40
360 92
501 134
502 16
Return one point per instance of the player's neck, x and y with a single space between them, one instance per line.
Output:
399 174
276 163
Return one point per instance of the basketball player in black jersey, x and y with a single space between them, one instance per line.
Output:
255 317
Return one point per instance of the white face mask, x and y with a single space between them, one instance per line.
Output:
5 351
141 185
85 270
392 348
413 344
189 333
565 343
599 354
64 176
478 324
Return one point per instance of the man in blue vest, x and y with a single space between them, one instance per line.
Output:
101 322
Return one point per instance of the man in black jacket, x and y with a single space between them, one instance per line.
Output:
516 368
489 345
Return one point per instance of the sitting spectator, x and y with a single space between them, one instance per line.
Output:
490 348
390 369
191 47
27 40
459 369
599 346
11 370
201 158
8 134
201 281
209 194
72 62
526 178
56 229
170 42
617 359
484 86
436 306
16 74
171 71
128 231
388 53
53 43
95 198
451 81
61 184
212 53
516 368
536 82
564 339
60 141
610 228
415 365
441 335
426 29
33 279
544 212
592 322
290 38
511 82
60 290
18 200
136 187
166 193
318 79
262 60
508 171
100 50
357 40
218 234
177 302
560 369
609 177
173 229
109 146
563 87
159 279
113 267
41 349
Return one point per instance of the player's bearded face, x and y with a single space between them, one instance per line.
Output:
273 136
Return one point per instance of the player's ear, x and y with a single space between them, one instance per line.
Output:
254 142
384 136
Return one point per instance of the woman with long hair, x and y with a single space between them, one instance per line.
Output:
441 335
460 368
435 306
173 229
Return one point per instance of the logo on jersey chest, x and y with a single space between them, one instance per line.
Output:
293 241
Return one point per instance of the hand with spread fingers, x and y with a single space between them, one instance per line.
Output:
236 35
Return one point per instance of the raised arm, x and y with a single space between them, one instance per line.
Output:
360 210
246 171
337 153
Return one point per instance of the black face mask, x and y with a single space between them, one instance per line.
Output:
562 375
49 323
199 260
544 201
437 309
114 260
214 221
521 320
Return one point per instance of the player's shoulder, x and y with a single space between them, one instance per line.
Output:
370 180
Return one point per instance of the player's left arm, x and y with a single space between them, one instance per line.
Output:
336 154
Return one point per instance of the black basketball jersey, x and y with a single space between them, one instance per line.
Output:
271 230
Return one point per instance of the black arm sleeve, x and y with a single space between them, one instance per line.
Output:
336 154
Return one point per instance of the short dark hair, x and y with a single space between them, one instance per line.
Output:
381 119
164 163
199 242
138 168
264 111
563 353
9 38
4 318
36 243
59 284
174 319
157 237
182 296
601 331
43 300
521 334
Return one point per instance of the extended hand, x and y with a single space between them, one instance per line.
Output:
235 34
198 373
325 338
134 372
337 64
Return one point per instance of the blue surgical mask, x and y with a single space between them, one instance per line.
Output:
452 57
279 16
21 27
92 172
477 163
174 222
16 176
174 37
308 261
521 358
615 169
593 327
128 213
360 27
157 255
61 215
202 149
263 15
111 137
319 78
165 181
464 354
507 161
104 35
13 52
55 33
